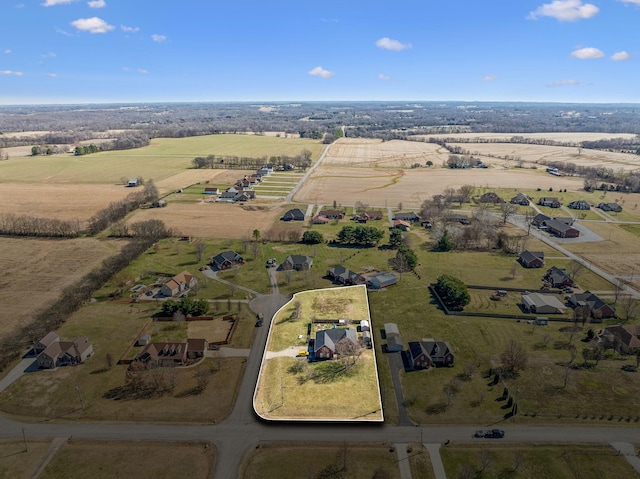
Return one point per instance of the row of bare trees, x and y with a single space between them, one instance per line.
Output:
26 225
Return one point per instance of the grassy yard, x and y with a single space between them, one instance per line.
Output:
359 461
112 328
420 462
18 463
145 460
292 388
553 462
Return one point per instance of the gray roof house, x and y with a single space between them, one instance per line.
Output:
326 341
428 353
531 259
342 275
381 280
597 307
296 261
542 303
226 260
295 214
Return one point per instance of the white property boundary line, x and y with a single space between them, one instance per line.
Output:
313 419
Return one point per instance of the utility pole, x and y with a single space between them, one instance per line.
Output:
80 396
24 438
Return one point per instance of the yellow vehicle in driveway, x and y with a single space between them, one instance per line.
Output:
303 353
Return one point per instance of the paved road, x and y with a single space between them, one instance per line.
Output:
307 173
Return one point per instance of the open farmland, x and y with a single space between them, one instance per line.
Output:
62 202
35 272
379 187
220 178
163 158
214 220
366 153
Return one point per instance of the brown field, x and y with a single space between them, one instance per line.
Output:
538 153
555 136
192 176
63 202
379 187
366 153
36 271
213 331
214 220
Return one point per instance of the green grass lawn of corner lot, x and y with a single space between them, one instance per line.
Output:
356 461
292 388
565 461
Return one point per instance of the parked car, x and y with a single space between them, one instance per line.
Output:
303 353
494 433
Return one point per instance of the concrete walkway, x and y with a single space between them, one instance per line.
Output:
628 450
436 460
403 461
56 444
21 368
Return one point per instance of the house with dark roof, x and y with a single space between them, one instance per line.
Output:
410 217
558 278
457 218
333 214
381 280
164 354
490 197
561 229
520 199
531 259
625 339
342 275
597 307
579 205
211 191
226 260
539 219
614 207
428 353
539 303
550 201
65 353
295 214
402 225
45 342
327 340
297 262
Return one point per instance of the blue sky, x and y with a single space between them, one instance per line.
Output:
79 51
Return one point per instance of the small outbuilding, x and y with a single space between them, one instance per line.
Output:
381 280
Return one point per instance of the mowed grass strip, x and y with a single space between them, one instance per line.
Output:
359 461
514 461
145 460
18 462
162 158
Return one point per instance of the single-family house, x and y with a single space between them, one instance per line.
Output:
295 214
164 354
597 307
579 205
457 218
539 219
490 197
320 220
520 199
196 347
333 214
428 353
550 201
542 303
614 207
558 278
227 196
180 283
625 339
531 259
226 260
45 342
561 229
211 191
327 341
381 280
410 217
342 275
65 353
298 262
402 225
567 220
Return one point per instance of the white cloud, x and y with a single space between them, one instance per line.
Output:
142 71
52 75
588 53
490 78
51 3
48 55
389 44
620 56
10 72
92 25
384 77
97 4
7 51
62 32
564 83
158 38
321 72
125 28
565 10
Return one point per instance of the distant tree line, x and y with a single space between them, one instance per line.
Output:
85 150
300 161
26 225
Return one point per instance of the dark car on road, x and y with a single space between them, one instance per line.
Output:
494 434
